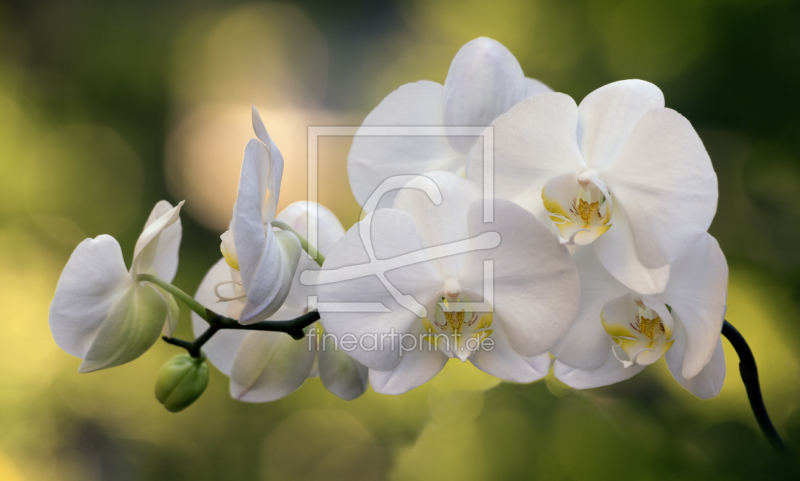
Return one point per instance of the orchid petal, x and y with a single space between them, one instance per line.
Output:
173 312
267 260
341 374
249 232
535 282
585 346
133 325
269 366
270 172
608 116
500 359
484 81
272 279
697 292
664 182
393 233
329 230
535 87
708 382
611 371
373 159
418 365
533 142
615 250
300 215
441 224
93 280
157 246
221 349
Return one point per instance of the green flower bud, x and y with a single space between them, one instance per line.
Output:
181 381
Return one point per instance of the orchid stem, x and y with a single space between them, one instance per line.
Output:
293 327
179 294
312 251
749 373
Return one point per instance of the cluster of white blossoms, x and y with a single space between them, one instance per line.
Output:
579 234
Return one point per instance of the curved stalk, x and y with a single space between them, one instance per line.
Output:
177 293
749 373
312 251
293 327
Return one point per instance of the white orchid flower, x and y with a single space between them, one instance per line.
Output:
484 81
620 172
424 268
100 312
266 366
264 261
619 332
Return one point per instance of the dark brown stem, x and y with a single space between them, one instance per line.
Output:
749 373
293 327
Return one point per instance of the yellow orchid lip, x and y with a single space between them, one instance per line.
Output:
579 207
228 249
640 327
457 328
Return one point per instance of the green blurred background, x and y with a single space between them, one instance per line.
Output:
108 107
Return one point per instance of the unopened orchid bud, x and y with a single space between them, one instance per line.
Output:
181 381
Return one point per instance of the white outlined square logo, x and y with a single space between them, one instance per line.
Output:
378 267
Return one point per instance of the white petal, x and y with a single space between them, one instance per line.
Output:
348 276
610 372
267 261
258 127
533 142
484 81
440 224
329 230
92 281
615 250
535 87
708 382
535 282
272 278
249 231
165 261
373 159
341 374
300 215
222 348
173 312
585 346
269 366
608 116
133 325
664 181
500 359
150 252
417 366
697 293
271 169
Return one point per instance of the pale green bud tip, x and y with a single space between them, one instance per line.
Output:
181 381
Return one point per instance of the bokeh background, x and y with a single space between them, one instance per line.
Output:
108 107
